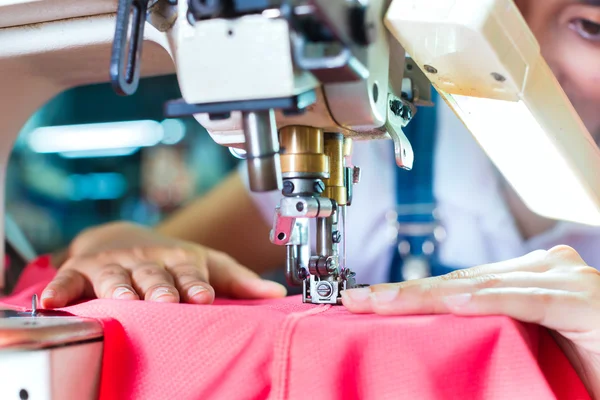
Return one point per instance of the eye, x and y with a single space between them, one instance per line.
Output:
586 28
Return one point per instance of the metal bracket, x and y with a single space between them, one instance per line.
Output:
125 60
336 68
283 227
400 113
179 108
417 84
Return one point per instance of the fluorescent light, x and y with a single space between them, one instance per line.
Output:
174 131
527 157
94 137
100 153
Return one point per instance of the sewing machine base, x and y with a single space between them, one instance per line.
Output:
49 356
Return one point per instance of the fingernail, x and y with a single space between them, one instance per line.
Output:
385 296
50 299
161 292
195 290
48 294
357 295
458 300
123 293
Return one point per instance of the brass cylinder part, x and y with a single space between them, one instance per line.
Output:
337 193
301 140
334 186
348 146
302 151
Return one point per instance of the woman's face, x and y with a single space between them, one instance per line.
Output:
569 35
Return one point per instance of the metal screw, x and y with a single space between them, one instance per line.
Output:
400 109
336 237
34 304
319 186
288 188
302 273
406 112
300 206
396 107
430 69
331 266
498 77
324 289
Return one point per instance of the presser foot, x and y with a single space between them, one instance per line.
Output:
327 289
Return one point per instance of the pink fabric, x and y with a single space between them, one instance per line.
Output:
284 349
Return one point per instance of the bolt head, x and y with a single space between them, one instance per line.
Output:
324 289
430 69
336 237
331 266
288 187
498 77
319 187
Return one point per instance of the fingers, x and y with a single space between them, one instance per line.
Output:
234 280
532 262
190 281
113 282
558 258
427 296
153 274
68 285
564 256
167 274
555 309
152 282
188 269
82 277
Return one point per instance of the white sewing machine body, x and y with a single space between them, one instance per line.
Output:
252 68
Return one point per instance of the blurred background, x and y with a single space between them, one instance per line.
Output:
89 156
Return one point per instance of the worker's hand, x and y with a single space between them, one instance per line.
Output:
125 261
552 288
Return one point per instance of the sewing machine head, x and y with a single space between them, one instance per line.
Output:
290 85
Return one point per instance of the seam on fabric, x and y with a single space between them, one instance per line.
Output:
282 349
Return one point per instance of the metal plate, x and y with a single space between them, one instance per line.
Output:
23 330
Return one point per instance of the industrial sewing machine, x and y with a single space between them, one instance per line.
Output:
290 84
315 75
